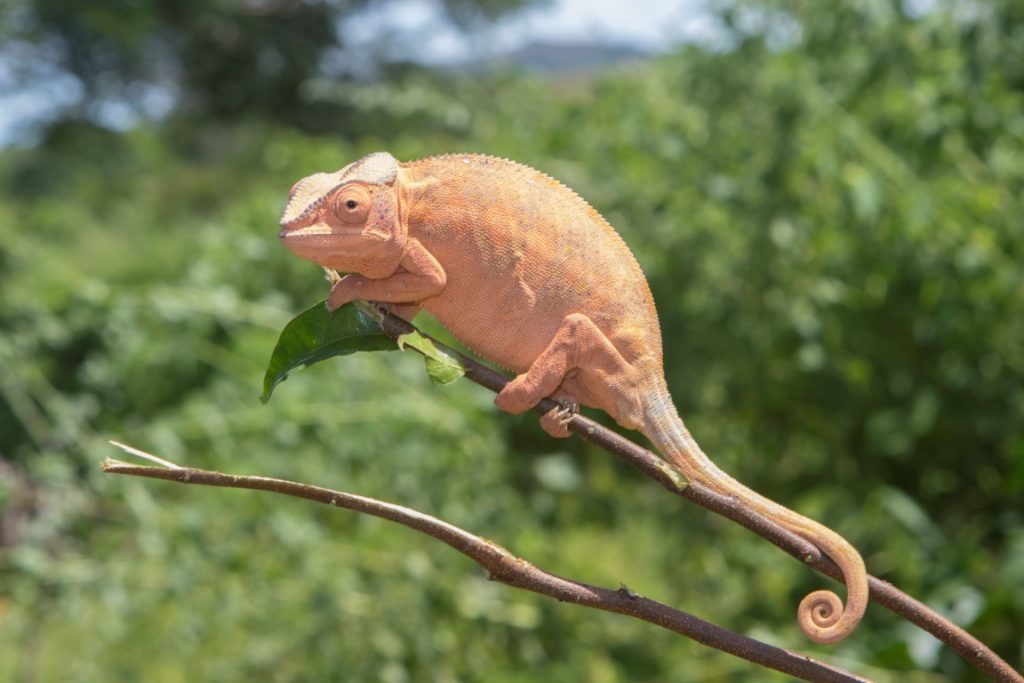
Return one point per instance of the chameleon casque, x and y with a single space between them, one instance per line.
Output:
527 274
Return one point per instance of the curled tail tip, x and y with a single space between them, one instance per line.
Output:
822 618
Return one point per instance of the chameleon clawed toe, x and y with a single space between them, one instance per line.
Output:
566 411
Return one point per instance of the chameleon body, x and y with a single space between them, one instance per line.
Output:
527 274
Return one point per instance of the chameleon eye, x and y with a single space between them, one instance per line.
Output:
351 205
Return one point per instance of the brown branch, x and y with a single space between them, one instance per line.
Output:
972 650
506 568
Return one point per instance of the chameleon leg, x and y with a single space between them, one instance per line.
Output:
419 277
578 345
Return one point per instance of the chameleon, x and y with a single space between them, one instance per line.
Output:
527 274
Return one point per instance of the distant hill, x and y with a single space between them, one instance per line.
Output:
569 58
558 57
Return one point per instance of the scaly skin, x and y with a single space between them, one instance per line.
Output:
527 274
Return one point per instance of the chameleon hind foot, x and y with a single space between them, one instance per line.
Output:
556 421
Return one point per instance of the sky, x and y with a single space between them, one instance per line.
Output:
655 27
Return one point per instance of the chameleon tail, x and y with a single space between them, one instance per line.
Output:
821 615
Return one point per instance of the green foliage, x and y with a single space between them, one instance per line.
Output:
315 335
828 208
442 367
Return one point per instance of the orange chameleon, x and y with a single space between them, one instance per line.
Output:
527 274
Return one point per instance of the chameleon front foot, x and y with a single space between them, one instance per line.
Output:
344 290
404 311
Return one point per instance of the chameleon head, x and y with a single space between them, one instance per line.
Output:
348 220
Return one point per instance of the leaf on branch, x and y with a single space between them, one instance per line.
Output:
317 334
442 367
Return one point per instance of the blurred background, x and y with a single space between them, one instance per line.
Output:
826 197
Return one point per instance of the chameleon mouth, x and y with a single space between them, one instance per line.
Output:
309 230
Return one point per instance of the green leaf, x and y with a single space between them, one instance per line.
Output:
316 334
442 366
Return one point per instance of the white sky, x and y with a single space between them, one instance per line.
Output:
652 25
649 24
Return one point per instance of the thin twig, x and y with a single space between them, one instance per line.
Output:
143 454
972 650
504 567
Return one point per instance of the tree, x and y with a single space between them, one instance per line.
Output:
219 60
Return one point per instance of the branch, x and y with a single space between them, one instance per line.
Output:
504 567
972 650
